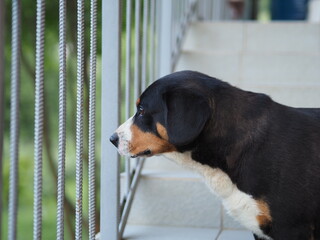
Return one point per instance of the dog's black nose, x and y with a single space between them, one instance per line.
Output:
114 139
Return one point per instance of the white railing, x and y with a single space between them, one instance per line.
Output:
156 50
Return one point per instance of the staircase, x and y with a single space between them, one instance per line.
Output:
279 59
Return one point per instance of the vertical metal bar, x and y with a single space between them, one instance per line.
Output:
201 10
195 13
152 42
128 84
137 62
187 7
205 9
179 20
79 125
128 174
188 14
1 103
128 56
184 16
128 204
221 9
62 120
179 31
144 44
157 38
165 38
211 11
216 9
38 126
137 72
224 11
14 119
92 120
110 100
174 27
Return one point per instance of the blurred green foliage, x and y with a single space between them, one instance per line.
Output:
264 14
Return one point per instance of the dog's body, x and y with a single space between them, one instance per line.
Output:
261 158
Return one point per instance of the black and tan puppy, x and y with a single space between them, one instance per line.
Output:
260 157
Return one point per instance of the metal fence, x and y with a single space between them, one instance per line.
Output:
39 118
156 50
154 32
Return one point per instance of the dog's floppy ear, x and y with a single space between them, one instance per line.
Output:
186 116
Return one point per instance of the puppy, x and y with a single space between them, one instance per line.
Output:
261 158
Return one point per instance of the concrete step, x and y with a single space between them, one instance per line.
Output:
222 66
168 233
160 168
294 68
215 36
138 232
239 37
294 95
170 197
235 235
162 164
169 194
280 69
174 198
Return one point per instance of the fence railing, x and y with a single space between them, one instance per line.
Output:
39 123
157 37
153 34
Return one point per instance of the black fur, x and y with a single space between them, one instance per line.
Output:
185 110
269 150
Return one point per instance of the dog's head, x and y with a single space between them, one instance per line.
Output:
171 114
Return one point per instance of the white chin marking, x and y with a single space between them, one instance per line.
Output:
241 206
125 136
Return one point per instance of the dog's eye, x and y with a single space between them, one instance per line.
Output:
140 111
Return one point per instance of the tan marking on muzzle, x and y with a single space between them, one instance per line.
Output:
142 141
162 131
264 217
